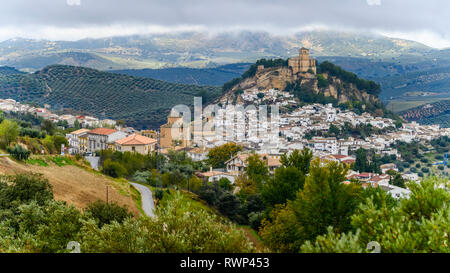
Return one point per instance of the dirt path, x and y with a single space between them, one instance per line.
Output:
76 185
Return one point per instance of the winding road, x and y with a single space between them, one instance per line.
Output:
93 160
147 199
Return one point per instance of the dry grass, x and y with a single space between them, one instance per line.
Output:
75 185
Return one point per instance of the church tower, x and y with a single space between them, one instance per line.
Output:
302 63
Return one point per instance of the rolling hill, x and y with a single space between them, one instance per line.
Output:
198 76
33 62
6 70
141 102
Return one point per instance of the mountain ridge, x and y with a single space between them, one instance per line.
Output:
198 50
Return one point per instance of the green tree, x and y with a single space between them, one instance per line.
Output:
397 180
413 225
300 160
218 155
361 163
58 141
284 186
48 126
256 169
334 130
76 124
9 131
324 201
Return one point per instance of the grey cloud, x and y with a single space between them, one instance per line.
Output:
391 15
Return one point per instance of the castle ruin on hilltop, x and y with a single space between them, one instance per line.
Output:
302 63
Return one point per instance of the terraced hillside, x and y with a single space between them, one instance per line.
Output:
200 76
434 113
142 102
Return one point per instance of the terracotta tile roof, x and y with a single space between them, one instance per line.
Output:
365 175
339 156
348 161
80 131
376 179
102 131
273 162
212 173
199 150
135 139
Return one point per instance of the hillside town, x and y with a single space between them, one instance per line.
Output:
303 126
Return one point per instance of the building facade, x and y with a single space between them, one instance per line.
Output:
136 143
100 138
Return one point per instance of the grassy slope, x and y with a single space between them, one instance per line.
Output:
74 183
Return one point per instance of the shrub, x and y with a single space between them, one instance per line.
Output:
106 213
209 193
159 194
321 81
141 177
228 204
225 183
255 219
19 152
24 188
113 169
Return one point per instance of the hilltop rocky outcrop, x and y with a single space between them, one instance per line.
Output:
282 77
308 82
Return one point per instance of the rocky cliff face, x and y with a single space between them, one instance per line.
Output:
282 78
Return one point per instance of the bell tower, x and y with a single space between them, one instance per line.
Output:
304 54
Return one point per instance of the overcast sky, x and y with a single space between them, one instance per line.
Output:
426 21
